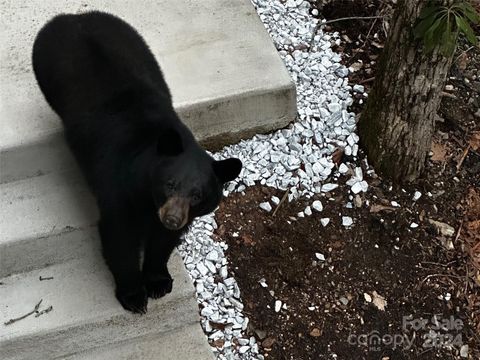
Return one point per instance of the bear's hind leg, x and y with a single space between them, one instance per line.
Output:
121 251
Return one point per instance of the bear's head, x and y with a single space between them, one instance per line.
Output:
186 181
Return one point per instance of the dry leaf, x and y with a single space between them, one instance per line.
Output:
218 326
315 332
379 207
337 156
473 225
475 141
379 301
268 342
462 61
356 66
439 152
219 343
248 240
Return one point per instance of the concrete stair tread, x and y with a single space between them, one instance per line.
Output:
85 311
47 219
210 51
186 343
44 206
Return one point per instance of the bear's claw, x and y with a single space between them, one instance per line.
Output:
158 288
136 302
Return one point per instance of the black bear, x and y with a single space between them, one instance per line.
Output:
148 173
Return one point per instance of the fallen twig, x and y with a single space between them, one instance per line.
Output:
451 96
464 52
458 231
352 18
364 81
44 311
437 275
41 278
281 202
368 34
439 264
464 155
35 309
339 19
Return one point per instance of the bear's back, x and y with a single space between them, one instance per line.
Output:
94 61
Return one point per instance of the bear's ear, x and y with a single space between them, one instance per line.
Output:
169 143
227 170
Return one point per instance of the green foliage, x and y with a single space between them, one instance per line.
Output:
439 25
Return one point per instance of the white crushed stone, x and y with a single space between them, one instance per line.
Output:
266 206
317 205
347 221
342 169
413 225
297 159
278 305
320 256
417 195
329 187
308 211
367 297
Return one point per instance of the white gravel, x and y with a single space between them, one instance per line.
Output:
298 159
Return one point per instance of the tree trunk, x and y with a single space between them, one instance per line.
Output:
397 124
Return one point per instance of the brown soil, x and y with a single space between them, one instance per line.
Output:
412 269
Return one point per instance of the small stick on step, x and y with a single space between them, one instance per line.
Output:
11 321
41 278
281 201
44 311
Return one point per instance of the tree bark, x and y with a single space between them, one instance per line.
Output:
397 124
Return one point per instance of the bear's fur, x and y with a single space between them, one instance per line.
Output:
149 175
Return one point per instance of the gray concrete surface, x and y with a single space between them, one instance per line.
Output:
85 313
45 220
187 343
223 70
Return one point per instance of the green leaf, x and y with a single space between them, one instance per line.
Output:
448 40
422 26
466 29
429 40
470 13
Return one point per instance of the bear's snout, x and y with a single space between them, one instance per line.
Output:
174 213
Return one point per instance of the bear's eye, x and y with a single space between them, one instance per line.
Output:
196 196
171 185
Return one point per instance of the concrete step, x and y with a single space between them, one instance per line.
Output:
46 220
85 313
186 343
225 75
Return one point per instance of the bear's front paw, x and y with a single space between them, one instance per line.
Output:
135 301
159 287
